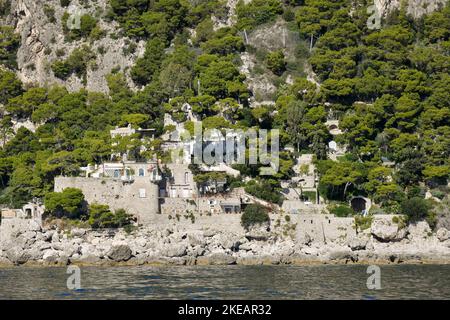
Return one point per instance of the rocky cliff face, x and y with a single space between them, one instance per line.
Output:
415 8
173 244
43 40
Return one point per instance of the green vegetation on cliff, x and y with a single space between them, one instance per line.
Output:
389 89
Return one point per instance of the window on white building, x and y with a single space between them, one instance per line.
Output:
142 193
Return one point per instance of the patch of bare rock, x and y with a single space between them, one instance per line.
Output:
382 243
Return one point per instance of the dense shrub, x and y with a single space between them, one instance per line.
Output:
100 216
416 209
147 68
10 86
87 24
76 63
64 3
257 12
254 214
50 13
439 193
224 45
69 203
61 69
5 7
264 190
9 44
275 62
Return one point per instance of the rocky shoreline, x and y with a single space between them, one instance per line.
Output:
172 245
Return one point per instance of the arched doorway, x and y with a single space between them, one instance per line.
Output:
360 204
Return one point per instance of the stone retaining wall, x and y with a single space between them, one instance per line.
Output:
139 197
318 227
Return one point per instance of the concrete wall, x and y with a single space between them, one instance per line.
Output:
117 194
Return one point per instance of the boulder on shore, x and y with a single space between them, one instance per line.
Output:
174 250
120 253
419 230
260 232
359 242
443 234
385 230
17 255
217 258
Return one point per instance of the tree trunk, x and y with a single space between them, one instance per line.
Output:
346 186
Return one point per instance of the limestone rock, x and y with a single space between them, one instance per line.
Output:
43 245
210 233
63 260
48 235
195 251
67 249
120 253
196 238
249 260
385 230
174 250
5 262
86 259
87 248
443 234
38 33
177 261
419 230
26 239
358 243
415 8
190 261
258 232
446 243
78 232
217 258
248 246
304 238
370 244
168 231
55 237
35 254
302 258
142 242
341 255
226 241
141 258
33 225
310 251
50 256
17 255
